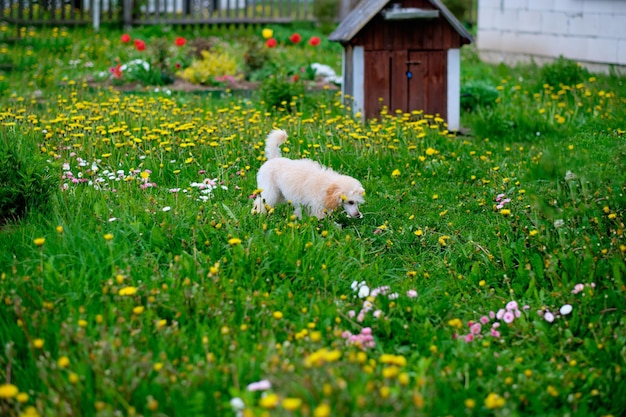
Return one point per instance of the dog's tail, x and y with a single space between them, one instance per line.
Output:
272 143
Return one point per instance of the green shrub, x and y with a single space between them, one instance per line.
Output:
25 184
477 93
278 91
255 58
458 8
563 71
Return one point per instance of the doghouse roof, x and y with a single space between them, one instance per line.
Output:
367 9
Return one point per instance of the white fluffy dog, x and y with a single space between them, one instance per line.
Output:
304 183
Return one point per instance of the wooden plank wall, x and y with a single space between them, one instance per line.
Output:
436 34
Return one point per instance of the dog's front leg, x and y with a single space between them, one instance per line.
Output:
298 211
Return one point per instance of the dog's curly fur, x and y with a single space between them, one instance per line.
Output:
304 183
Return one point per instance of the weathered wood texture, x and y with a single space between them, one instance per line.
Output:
387 83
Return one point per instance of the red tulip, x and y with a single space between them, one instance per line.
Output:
295 38
140 45
125 38
314 41
180 41
271 42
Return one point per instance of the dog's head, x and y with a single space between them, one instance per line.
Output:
349 197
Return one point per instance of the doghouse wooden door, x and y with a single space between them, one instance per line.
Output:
406 81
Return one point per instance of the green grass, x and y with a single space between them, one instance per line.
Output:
150 297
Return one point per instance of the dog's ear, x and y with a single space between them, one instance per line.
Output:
361 191
333 197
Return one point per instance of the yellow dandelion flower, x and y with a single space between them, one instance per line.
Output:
22 397
269 401
277 315
493 400
552 391
455 323
233 241
59 229
39 241
108 237
30 411
38 343
152 404
127 291
419 232
315 336
505 212
390 372
396 173
8 391
469 403
73 378
322 410
431 151
63 362
291 404
138 310
533 233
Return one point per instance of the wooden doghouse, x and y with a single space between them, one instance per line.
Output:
404 55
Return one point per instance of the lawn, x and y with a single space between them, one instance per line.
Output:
486 277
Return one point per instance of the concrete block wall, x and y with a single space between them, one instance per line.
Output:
592 32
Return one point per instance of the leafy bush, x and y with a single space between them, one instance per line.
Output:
25 183
255 58
216 63
476 94
458 8
563 71
278 91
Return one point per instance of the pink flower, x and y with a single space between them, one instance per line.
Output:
512 305
495 333
484 319
411 293
508 317
475 329
469 338
261 385
548 316
500 314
